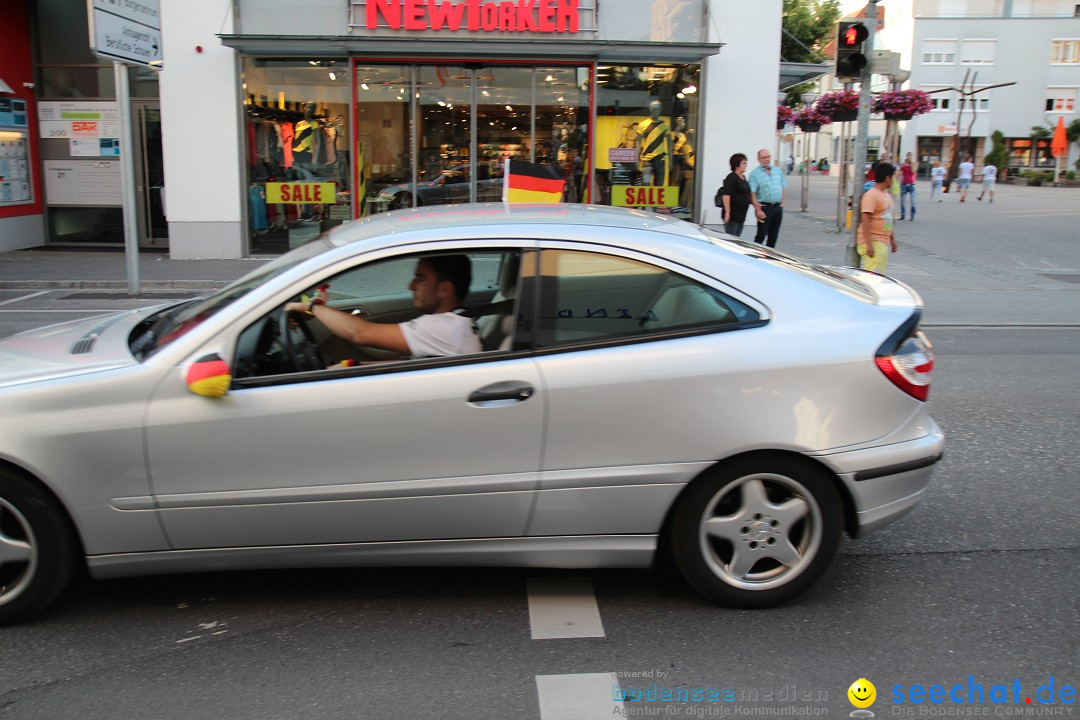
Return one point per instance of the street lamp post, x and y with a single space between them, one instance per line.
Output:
808 99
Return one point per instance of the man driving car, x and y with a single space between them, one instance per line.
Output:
439 285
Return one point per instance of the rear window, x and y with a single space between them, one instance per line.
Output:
822 273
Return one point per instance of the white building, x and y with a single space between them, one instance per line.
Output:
1034 43
358 106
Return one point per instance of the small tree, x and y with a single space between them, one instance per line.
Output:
998 155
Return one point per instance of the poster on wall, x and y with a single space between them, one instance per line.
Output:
12 113
74 119
14 171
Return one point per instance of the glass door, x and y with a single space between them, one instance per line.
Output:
150 174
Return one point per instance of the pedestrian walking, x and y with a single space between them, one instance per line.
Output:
937 177
989 180
963 180
767 186
876 237
907 187
736 196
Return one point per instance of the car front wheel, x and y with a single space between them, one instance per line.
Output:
37 548
758 531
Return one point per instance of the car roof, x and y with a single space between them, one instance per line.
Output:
487 215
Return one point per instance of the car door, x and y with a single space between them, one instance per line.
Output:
633 350
430 449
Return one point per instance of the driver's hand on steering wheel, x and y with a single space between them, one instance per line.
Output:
297 311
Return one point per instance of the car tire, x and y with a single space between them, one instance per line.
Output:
758 531
401 201
37 548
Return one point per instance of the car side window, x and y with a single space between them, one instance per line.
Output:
588 296
378 292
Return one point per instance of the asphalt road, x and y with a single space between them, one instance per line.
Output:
978 580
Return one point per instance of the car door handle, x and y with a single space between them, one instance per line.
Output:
515 392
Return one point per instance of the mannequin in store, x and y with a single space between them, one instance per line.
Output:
682 161
655 147
306 139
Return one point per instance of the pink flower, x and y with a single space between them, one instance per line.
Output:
811 116
838 102
902 102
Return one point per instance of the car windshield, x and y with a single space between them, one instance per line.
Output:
168 324
821 273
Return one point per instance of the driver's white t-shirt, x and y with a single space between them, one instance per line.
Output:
441 334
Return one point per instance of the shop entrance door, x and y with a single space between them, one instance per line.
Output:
149 174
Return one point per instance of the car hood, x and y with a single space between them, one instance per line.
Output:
71 348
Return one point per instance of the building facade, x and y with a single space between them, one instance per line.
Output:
1032 43
266 127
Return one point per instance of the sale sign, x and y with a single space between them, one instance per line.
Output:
308 193
645 195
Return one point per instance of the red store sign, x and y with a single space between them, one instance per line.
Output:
516 16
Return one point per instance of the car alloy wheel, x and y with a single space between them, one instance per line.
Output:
18 553
757 532
37 548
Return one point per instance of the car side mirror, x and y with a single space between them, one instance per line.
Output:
209 376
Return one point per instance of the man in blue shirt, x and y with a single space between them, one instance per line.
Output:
767 186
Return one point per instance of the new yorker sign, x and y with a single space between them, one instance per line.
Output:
503 16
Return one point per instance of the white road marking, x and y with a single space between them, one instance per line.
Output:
25 297
563 607
578 697
62 312
189 639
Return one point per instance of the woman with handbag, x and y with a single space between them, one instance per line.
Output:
735 194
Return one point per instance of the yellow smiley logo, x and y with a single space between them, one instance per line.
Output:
862 693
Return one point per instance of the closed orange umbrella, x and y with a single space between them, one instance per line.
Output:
1059 145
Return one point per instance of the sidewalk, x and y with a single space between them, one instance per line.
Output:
60 269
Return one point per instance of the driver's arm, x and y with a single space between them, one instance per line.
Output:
355 329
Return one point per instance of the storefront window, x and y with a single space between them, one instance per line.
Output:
645 135
466 122
298 149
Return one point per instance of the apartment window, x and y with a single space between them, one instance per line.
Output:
1065 52
982 104
977 52
1062 100
939 52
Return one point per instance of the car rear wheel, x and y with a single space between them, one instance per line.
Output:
758 531
401 201
37 548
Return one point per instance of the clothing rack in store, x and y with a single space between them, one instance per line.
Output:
268 111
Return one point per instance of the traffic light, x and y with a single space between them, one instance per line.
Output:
850 58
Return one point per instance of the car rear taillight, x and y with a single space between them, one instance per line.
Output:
908 363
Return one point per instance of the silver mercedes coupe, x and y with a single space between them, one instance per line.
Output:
644 383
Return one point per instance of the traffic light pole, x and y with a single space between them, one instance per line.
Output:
852 254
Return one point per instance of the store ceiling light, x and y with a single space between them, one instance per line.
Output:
333 75
679 95
510 109
364 86
562 99
690 89
549 78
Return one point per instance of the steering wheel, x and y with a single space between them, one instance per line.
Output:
304 352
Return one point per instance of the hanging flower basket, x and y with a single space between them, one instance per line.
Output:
839 106
902 104
810 120
783 116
